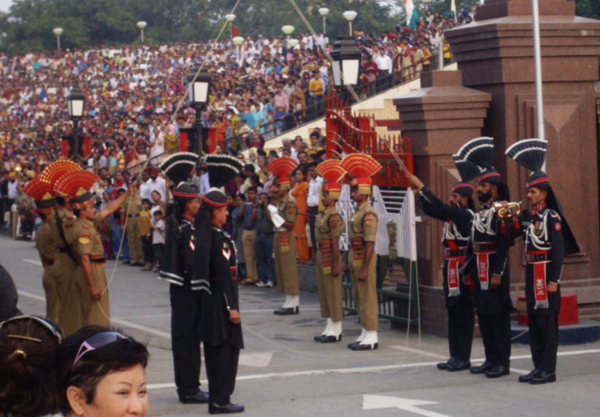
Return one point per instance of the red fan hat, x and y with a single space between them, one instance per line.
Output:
77 185
362 167
56 170
282 168
41 192
332 172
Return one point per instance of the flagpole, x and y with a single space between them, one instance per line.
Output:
537 57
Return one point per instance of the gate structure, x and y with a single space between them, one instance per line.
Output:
397 282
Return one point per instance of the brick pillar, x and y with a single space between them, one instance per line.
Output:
440 118
495 54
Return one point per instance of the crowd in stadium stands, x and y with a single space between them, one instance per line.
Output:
133 91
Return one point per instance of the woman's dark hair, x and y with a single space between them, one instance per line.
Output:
122 354
28 351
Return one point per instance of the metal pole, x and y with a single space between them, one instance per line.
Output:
350 24
76 140
199 129
537 56
324 23
441 57
58 42
142 35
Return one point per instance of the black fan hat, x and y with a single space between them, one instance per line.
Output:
531 153
467 172
480 151
179 166
222 169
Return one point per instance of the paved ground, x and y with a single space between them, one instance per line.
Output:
284 373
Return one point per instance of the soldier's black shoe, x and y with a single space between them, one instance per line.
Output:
529 376
442 366
137 264
482 368
331 339
200 398
543 377
318 338
230 408
459 366
497 371
287 311
358 346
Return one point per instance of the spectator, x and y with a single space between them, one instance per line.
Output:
158 238
263 244
300 194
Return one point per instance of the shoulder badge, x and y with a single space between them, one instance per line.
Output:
557 227
84 238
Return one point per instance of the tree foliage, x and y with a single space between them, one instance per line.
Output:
29 23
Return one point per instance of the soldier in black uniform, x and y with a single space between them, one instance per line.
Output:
458 218
221 330
178 269
548 238
490 242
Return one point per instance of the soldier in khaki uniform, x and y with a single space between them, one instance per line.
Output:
329 226
65 264
284 244
132 209
41 192
92 298
362 256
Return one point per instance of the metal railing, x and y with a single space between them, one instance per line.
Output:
316 109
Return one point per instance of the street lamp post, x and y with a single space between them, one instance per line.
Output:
346 64
142 25
57 32
323 11
238 40
75 105
230 18
350 15
198 87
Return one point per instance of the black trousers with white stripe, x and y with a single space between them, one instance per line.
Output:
185 338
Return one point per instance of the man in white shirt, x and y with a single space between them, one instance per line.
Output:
144 186
314 190
383 61
158 184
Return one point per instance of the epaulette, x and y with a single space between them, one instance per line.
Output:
85 234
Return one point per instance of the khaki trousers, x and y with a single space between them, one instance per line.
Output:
248 237
51 290
286 270
94 312
69 316
134 243
330 292
365 293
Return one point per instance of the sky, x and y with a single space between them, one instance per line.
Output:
4 5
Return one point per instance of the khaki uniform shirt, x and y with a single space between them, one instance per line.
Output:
45 244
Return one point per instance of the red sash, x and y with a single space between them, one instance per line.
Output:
453 263
539 286
483 264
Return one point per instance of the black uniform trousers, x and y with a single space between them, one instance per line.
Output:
461 321
221 370
543 341
495 332
185 338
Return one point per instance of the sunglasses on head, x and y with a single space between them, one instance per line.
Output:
97 341
55 332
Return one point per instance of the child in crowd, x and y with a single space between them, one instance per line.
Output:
158 238
145 218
